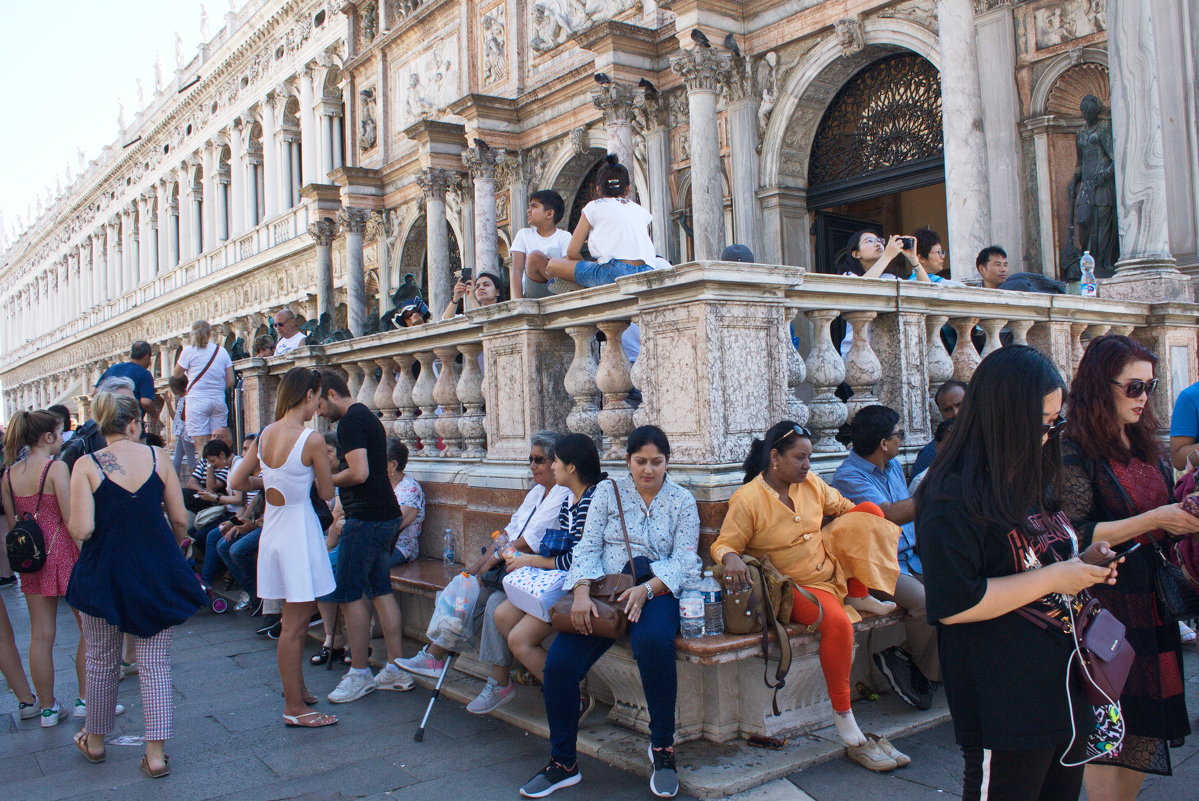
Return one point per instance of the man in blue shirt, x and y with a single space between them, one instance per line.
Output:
1184 428
137 369
872 473
948 400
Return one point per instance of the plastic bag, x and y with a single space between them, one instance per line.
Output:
450 627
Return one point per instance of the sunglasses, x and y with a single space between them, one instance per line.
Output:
900 433
538 459
798 430
1051 429
1136 387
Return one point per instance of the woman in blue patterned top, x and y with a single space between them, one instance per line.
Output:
663 527
577 467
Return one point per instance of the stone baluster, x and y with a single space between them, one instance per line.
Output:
826 371
425 426
862 367
614 381
797 371
965 355
406 408
370 385
1092 331
445 392
385 391
1076 330
641 415
940 366
1122 330
1019 329
580 384
353 378
470 395
992 329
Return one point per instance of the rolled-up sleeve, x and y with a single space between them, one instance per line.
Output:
587 562
681 568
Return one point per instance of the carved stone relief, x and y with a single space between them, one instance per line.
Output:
552 22
921 12
495 44
429 82
850 35
1068 20
368 133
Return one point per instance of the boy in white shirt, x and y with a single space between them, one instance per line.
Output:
546 210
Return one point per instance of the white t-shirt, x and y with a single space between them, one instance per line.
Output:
527 240
619 230
537 513
289 343
212 383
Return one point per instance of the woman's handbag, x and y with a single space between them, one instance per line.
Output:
25 543
1178 596
323 513
610 620
1105 656
534 590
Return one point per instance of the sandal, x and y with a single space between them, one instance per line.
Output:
80 739
346 660
318 719
156 774
322 657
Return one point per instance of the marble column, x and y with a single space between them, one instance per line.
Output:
308 133
481 162
435 182
702 70
210 154
967 202
615 100
174 232
146 245
254 187
742 122
326 151
223 191
129 263
323 232
97 268
270 157
112 255
237 177
354 222
1145 270
184 213
657 158
162 224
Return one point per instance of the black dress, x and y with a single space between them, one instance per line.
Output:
1154 699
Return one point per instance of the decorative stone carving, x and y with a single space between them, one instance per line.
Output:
826 371
352 219
552 22
614 381
616 100
495 45
431 80
1092 196
862 367
579 141
1066 21
922 12
580 384
850 35
370 23
368 133
702 69
323 231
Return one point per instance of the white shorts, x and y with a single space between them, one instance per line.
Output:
205 415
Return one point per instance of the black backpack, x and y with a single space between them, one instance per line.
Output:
25 543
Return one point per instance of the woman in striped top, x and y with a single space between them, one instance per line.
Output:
576 467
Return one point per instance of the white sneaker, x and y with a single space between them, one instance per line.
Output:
51 716
392 678
80 710
491 698
1188 633
352 687
28 711
423 664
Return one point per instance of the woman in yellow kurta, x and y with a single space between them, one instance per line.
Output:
779 513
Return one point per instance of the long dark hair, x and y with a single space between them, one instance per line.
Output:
995 451
612 178
778 437
579 450
844 262
294 388
1092 422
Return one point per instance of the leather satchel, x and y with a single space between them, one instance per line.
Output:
1105 656
610 620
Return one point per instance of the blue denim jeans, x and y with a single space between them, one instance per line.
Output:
212 562
363 553
241 557
572 655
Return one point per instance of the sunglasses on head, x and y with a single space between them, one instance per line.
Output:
1136 387
538 459
1051 429
798 430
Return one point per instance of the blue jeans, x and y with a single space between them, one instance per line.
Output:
241 557
591 273
572 655
363 553
212 562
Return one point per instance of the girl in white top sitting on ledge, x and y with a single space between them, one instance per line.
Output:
616 230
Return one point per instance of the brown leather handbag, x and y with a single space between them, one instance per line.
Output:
611 621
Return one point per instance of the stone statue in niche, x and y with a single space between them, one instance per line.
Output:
495 47
238 351
370 23
369 128
1092 196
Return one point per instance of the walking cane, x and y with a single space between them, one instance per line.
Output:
420 733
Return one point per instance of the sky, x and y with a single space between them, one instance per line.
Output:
69 62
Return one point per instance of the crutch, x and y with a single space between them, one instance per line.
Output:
420 733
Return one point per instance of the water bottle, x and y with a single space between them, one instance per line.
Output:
691 614
503 546
1087 288
447 551
709 588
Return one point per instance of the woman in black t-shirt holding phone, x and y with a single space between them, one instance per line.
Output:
1005 677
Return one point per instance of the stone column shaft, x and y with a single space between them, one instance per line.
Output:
308 134
354 222
270 157
481 162
615 100
323 232
435 183
702 70
742 121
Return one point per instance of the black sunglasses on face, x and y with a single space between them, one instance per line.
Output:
1136 387
799 430
538 459
1052 429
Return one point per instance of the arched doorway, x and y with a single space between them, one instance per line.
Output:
412 258
877 158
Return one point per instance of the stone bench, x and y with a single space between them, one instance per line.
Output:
722 697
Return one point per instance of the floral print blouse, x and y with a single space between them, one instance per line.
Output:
666 533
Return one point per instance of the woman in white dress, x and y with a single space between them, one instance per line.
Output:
293 565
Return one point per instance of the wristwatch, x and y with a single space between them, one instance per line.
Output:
649 592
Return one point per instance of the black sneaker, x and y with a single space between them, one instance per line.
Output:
8 581
664 780
268 623
897 666
553 776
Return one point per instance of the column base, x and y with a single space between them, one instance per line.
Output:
1148 279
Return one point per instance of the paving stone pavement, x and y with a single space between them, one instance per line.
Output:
230 744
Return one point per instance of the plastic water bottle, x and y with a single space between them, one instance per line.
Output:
447 551
1087 288
709 588
691 614
503 546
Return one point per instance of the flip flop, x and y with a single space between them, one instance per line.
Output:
81 743
319 719
156 774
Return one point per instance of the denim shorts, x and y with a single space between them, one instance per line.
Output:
593 273
363 554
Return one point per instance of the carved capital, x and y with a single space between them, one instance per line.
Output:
376 226
702 69
617 101
353 219
323 231
434 182
481 162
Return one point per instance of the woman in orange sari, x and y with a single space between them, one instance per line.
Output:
778 513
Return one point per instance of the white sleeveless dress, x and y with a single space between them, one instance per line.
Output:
293 563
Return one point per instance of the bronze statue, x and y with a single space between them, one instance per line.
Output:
1092 196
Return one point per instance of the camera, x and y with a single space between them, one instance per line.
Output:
909 242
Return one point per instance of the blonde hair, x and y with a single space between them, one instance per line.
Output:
114 412
25 429
201 333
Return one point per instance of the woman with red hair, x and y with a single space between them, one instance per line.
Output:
1117 486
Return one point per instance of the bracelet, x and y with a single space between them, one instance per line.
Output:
649 592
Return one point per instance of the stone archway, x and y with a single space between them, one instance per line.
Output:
410 258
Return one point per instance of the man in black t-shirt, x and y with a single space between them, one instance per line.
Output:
372 523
